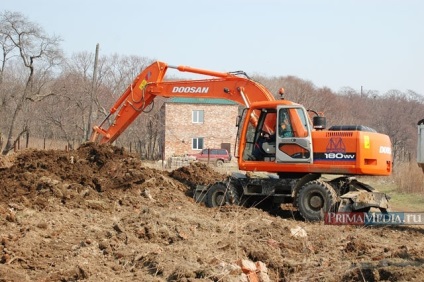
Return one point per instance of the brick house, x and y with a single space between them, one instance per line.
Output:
193 124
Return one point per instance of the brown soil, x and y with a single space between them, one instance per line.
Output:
100 214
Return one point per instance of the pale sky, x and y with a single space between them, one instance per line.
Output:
376 44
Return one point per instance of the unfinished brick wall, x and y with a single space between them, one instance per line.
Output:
218 127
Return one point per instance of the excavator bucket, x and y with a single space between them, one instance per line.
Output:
362 197
362 200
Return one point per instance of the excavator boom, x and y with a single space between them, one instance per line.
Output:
150 84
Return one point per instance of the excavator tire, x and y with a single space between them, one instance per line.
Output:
220 195
314 199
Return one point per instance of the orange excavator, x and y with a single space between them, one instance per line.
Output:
290 144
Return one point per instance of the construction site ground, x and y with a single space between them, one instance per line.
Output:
100 214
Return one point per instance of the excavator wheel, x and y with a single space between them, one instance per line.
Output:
314 199
220 195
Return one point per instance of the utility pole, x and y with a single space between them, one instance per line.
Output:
92 93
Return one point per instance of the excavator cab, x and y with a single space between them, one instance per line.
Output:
282 135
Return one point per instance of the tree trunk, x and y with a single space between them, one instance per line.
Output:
10 141
19 106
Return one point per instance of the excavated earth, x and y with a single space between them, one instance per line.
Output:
101 214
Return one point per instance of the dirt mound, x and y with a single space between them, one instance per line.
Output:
98 214
197 174
73 175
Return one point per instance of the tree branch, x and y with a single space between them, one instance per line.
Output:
38 98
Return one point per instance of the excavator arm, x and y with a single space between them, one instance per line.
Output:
150 83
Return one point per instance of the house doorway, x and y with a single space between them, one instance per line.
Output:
226 146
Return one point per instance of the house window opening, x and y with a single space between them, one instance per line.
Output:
197 143
198 116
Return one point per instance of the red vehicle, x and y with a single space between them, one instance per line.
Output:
216 156
297 153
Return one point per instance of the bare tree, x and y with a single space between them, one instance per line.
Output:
6 48
39 54
77 89
70 109
396 114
